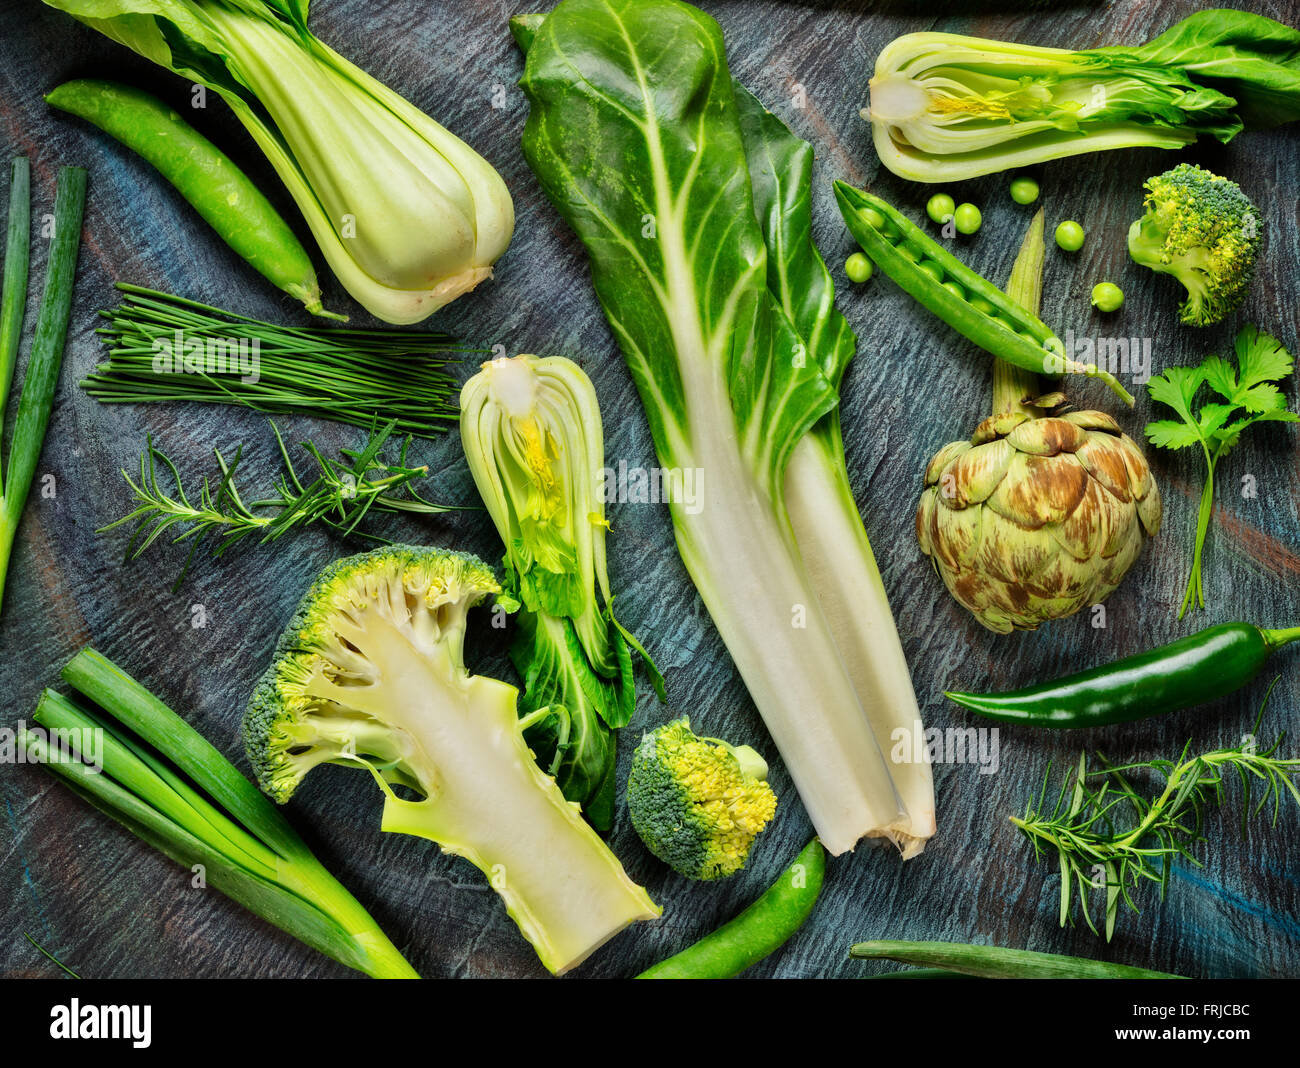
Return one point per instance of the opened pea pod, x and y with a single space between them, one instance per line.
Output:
965 300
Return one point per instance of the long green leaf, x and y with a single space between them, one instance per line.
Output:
13 302
103 682
274 903
36 400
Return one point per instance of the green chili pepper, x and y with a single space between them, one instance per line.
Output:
758 931
1016 336
1190 671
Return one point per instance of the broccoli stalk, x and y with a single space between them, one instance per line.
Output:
371 672
1203 230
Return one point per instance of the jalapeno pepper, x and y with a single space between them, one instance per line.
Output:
1190 671
984 314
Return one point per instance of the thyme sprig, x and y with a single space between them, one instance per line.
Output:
1107 835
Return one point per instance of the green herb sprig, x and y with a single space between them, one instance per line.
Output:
342 494
347 375
1250 395
1107 835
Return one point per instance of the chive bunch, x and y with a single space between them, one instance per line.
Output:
347 375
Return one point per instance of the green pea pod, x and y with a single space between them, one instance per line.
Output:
204 175
1008 331
1190 671
758 931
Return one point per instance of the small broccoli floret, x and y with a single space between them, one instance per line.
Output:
698 803
371 673
1204 231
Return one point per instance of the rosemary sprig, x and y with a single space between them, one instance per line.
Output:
347 375
341 495
1107 835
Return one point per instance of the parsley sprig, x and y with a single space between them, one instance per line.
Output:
1249 395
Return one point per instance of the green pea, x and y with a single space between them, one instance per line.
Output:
1069 235
1024 190
872 218
1107 297
1004 322
981 305
955 290
940 207
967 218
909 253
858 267
933 269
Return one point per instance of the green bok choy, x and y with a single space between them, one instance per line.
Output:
946 107
535 445
636 136
409 217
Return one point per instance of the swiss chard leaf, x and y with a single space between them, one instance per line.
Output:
780 171
644 158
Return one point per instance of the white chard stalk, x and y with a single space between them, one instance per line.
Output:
852 595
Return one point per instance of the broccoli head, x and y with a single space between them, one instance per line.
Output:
698 803
1204 231
370 672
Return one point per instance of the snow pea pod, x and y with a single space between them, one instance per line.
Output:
933 277
1190 671
203 174
758 931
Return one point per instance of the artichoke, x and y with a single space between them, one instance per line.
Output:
1032 519
1038 514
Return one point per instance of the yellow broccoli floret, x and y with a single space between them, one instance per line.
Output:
698 803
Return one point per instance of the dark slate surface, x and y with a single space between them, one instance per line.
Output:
113 908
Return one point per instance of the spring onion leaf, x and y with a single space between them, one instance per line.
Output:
169 786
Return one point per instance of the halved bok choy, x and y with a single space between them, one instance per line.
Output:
535 445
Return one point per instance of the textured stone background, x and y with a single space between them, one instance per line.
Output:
111 907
